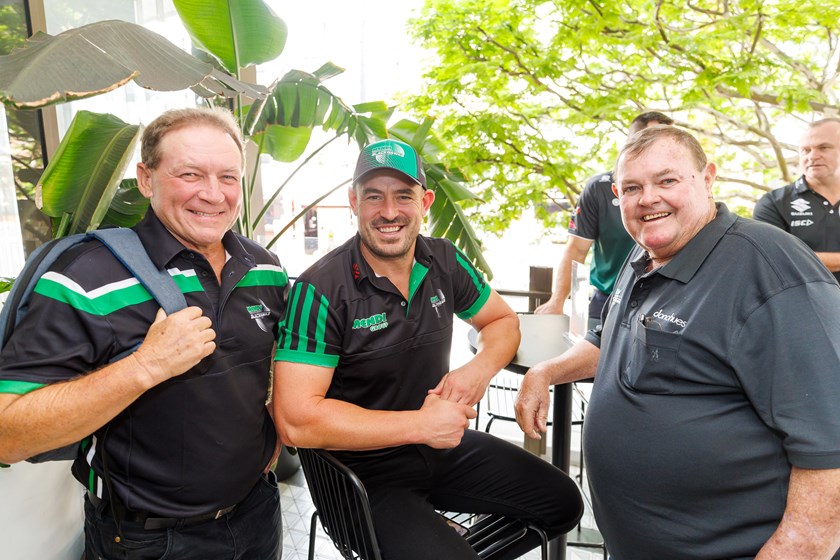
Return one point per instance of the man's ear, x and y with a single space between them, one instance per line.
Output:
709 176
428 198
144 180
354 201
615 190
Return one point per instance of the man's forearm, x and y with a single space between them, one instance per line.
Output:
576 249
578 362
810 527
497 344
830 260
63 413
334 424
563 278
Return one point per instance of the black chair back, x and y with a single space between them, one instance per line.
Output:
342 503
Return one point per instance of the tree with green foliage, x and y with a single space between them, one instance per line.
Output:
533 96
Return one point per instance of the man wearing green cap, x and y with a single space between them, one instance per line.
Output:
363 369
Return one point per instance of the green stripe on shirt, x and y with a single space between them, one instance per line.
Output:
110 297
18 387
264 275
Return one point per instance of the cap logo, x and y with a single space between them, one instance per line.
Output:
381 153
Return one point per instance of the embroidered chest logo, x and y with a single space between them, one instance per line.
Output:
258 313
437 301
671 318
801 206
374 323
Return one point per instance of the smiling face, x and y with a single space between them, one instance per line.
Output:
390 210
195 189
819 154
664 198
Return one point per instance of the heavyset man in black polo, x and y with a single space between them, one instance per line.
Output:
810 207
178 463
363 368
714 425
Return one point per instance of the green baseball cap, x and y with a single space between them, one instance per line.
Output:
390 154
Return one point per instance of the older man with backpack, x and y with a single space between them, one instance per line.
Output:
176 442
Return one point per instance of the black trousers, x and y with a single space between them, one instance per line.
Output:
484 474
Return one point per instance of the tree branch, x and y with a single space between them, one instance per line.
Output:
753 184
792 63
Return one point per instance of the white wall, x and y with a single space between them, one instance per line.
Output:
41 512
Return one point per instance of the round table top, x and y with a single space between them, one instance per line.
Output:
543 337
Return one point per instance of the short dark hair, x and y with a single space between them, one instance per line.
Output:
644 139
643 120
174 119
826 120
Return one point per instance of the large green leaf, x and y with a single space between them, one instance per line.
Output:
128 206
102 56
78 184
283 143
237 32
300 101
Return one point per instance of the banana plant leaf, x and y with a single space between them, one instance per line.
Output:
238 33
127 207
282 122
100 57
81 179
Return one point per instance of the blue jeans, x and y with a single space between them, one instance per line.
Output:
252 531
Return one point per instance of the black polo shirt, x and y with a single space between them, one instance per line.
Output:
717 372
597 218
804 213
197 442
387 351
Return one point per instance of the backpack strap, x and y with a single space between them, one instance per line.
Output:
127 248
36 265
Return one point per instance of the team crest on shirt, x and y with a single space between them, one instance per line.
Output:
258 313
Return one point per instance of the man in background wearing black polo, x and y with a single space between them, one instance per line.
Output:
363 368
713 430
810 207
177 441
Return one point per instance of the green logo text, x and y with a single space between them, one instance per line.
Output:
374 322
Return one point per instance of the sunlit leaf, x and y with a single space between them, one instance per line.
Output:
86 170
237 32
100 57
